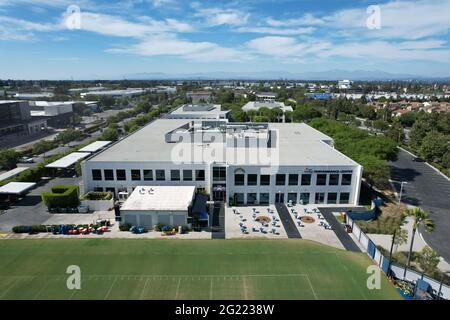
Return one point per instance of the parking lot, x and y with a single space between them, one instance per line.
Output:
30 210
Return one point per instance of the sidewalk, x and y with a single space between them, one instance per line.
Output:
385 240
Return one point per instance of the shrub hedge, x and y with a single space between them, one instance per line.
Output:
62 197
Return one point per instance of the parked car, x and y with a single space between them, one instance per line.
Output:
26 160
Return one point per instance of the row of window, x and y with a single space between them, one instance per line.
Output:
293 179
147 175
302 198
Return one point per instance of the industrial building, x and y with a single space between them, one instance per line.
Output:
198 111
15 118
239 163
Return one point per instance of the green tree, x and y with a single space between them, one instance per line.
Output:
69 135
9 158
434 146
428 260
109 134
43 146
380 125
420 218
401 237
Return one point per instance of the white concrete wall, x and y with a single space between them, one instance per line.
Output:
156 217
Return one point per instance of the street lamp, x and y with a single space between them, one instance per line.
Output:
401 191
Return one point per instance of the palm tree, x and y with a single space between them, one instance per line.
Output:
420 218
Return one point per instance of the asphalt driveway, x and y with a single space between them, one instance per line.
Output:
429 190
31 210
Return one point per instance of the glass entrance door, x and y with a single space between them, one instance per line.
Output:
279 198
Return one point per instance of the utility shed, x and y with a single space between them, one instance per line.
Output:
148 206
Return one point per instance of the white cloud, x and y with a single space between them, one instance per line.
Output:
306 20
117 26
276 31
399 19
18 29
170 45
276 46
287 47
217 17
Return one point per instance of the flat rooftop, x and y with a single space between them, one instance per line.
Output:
199 109
294 144
160 198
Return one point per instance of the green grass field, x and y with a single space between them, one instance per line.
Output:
184 269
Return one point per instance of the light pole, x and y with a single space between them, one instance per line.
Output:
401 191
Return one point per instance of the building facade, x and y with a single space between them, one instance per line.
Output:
239 163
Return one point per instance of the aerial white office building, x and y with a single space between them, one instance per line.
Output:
240 163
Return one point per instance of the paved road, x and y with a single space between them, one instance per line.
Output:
429 190
286 220
338 228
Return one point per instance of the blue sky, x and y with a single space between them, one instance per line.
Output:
43 39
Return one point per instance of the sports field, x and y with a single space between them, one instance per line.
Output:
184 269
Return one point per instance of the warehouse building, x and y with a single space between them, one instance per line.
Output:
240 163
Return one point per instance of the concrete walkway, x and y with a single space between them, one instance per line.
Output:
286 220
385 240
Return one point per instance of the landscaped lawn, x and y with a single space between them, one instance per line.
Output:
185 269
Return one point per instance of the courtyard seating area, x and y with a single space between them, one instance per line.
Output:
253 222
312 225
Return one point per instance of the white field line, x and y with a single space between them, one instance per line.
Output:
164 276
211 289
143 289
178 288
9 288
245 288
312 288
110 288
42 289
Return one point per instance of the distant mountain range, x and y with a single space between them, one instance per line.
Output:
275 75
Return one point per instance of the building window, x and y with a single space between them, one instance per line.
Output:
320 198
346 179
175 175
219 174
321 180
148 175
304 198
334 179
98 189
263 198
239 179
239 198
187 175
109 174
332 198
292 197
280 179
199 175
96 174
265 180
135 175
344 197
252 179
160 175
251 198
306 179
293 179
121 175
